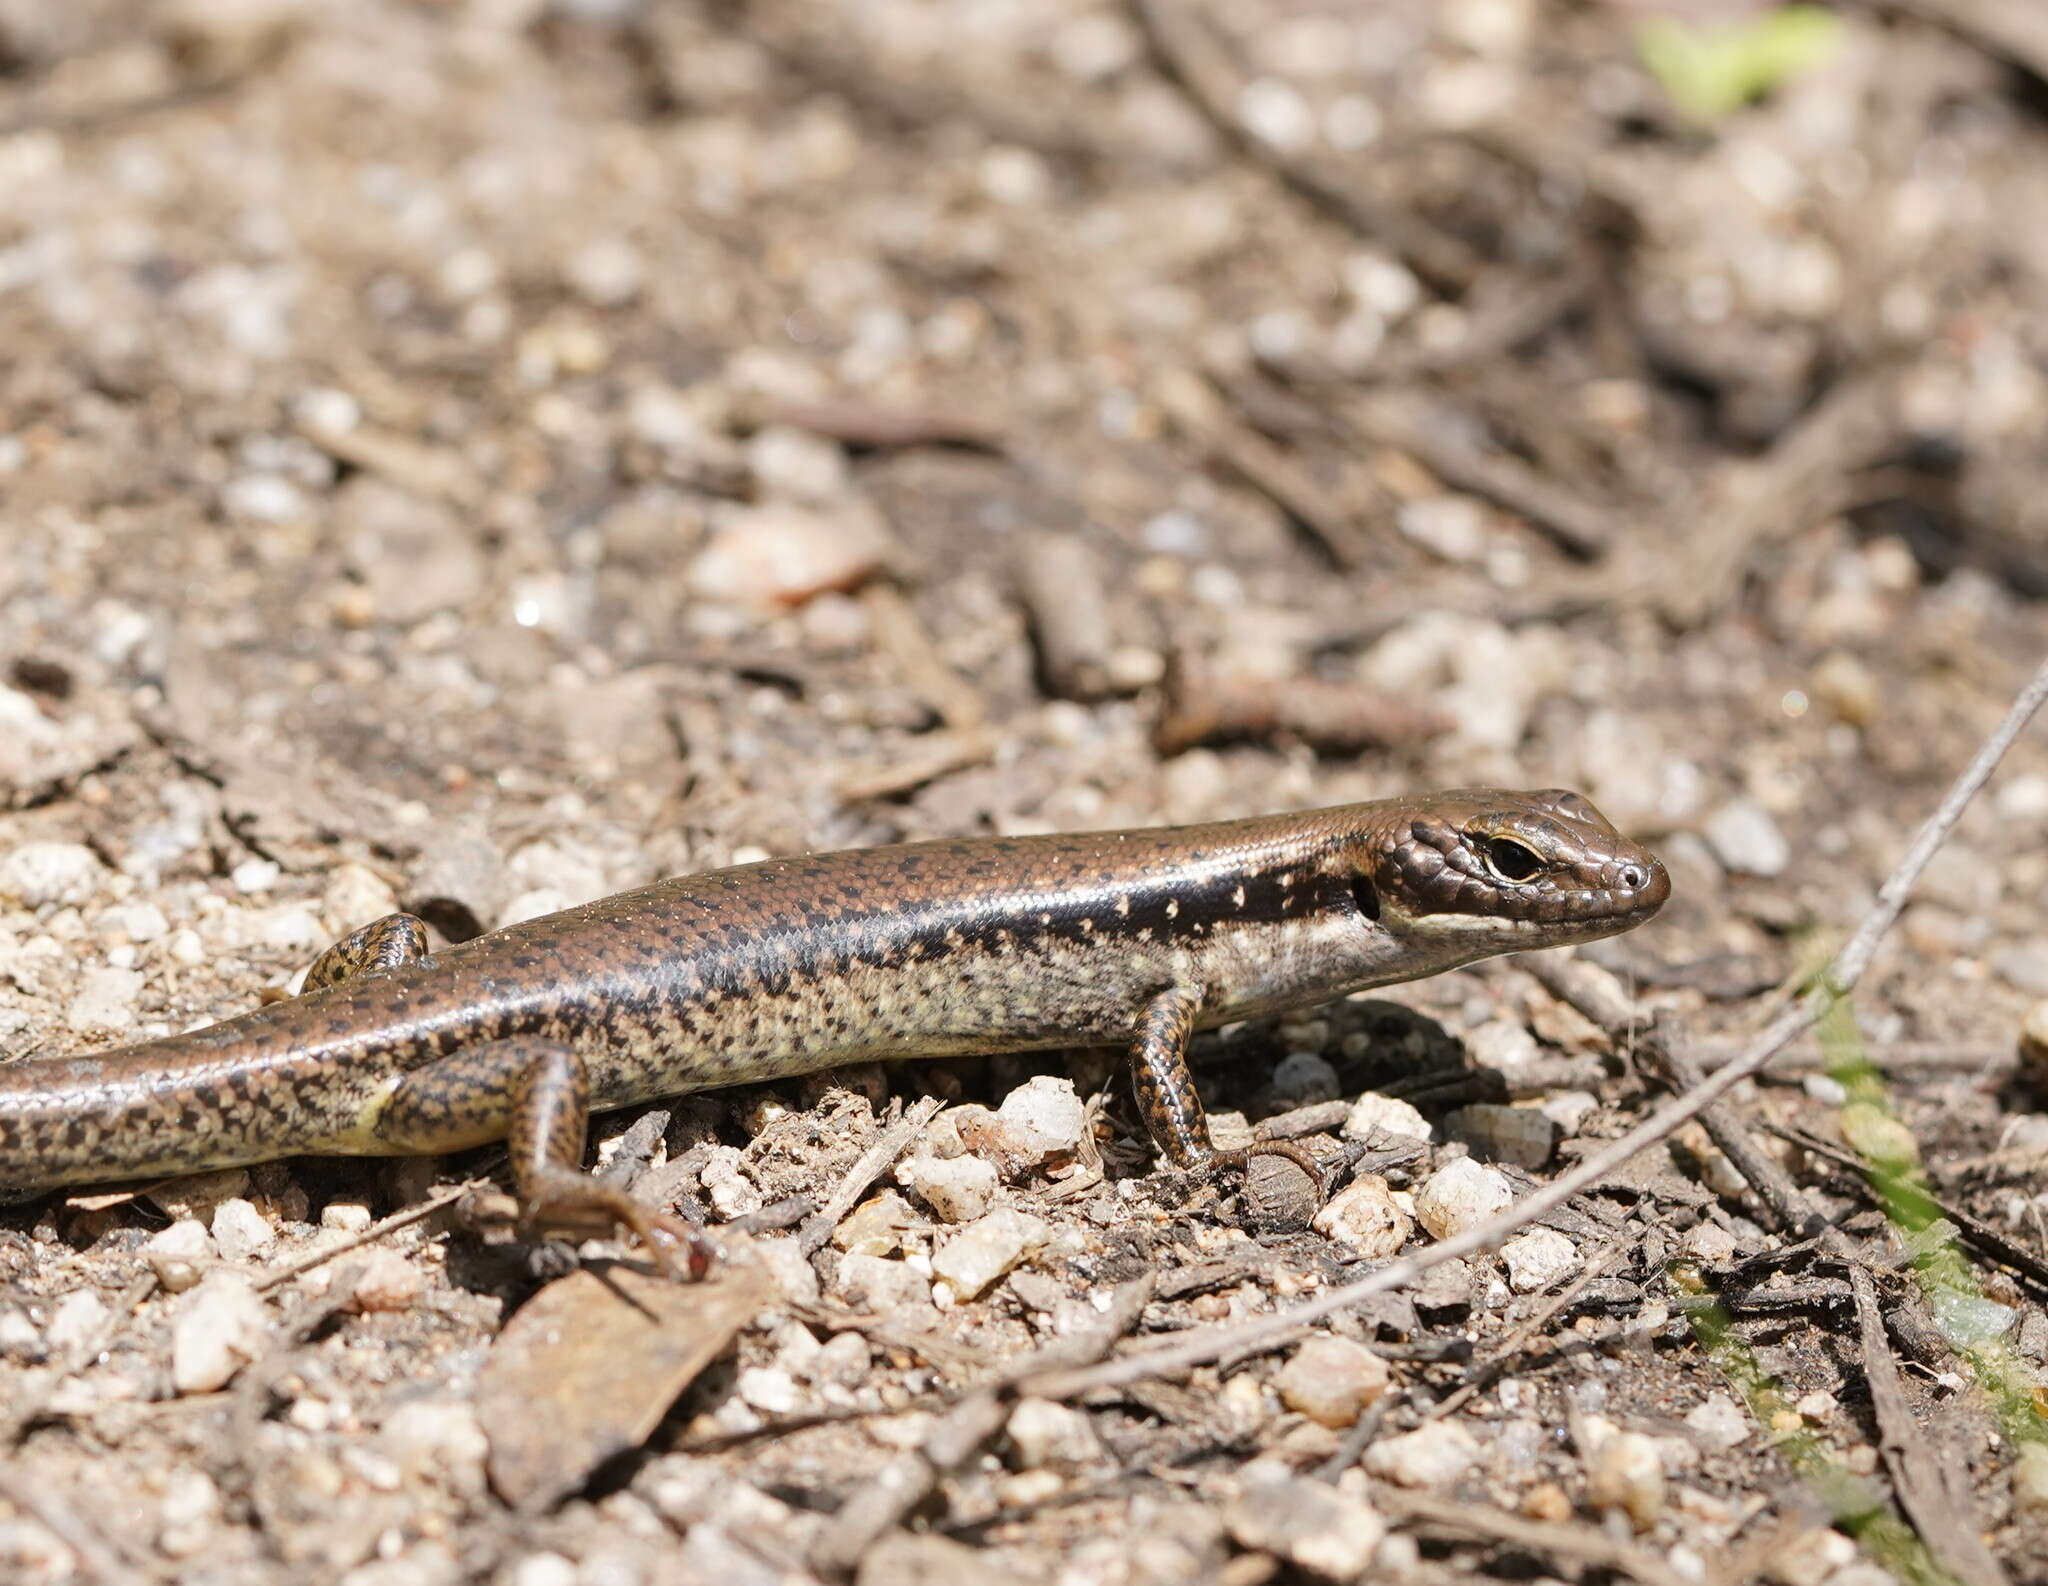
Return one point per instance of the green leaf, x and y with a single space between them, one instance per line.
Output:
1711 70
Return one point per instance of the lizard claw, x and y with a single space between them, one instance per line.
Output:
580 1208
681 1250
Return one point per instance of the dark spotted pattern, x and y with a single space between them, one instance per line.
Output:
382 944
765 970
1167 1099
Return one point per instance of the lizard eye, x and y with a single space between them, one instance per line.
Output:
1509 860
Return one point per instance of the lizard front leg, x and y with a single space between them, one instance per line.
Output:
1168 1100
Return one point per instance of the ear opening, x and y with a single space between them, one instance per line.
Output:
1365 895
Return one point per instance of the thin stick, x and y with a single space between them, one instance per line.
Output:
376 1231
870 1165
1832 984
96 1558
1584 1543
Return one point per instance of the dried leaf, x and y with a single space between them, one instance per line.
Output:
590 1366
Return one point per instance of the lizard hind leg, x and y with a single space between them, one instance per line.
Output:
384 944
535 1094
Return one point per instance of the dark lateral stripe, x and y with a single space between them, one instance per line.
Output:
771 959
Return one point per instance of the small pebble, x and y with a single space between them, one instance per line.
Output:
438 1440
732 1193
79 1318
387 1281
1300 1078
876 1226
1520 1136
1276 113
769 1389
1047 1435
1433 1455
2024 967
39 875
1385 1115
1848 688
189 1512
1626 1472
105 1001
262 498
1332 1380
253 876
1539 1259
1719 1422
797 465
20 1342
1015 176
973 1259
1569 1109
2034 1044
1711 1242
1320 1529
1746 839
132 922
605 272
545 1569
1461 1195
958 1189
354 896
778 556
844 1358
1045 1115
1810 1558
2030 1478
346 1217
881 1285
220 1327
326 411
794 1278
1451 528
1444 1296
240 1230
1365 1218
1501 1044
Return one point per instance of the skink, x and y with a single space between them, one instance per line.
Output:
761 971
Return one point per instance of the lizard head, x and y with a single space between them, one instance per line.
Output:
1492 871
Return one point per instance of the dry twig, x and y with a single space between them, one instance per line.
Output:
1439 437
1335 718
1059 583
377 1230
88 1543
1198 64
1587 1545
870 1165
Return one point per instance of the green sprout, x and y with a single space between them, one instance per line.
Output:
1713 69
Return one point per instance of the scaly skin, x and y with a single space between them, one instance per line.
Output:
767 970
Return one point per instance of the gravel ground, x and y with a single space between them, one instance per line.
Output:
481 455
